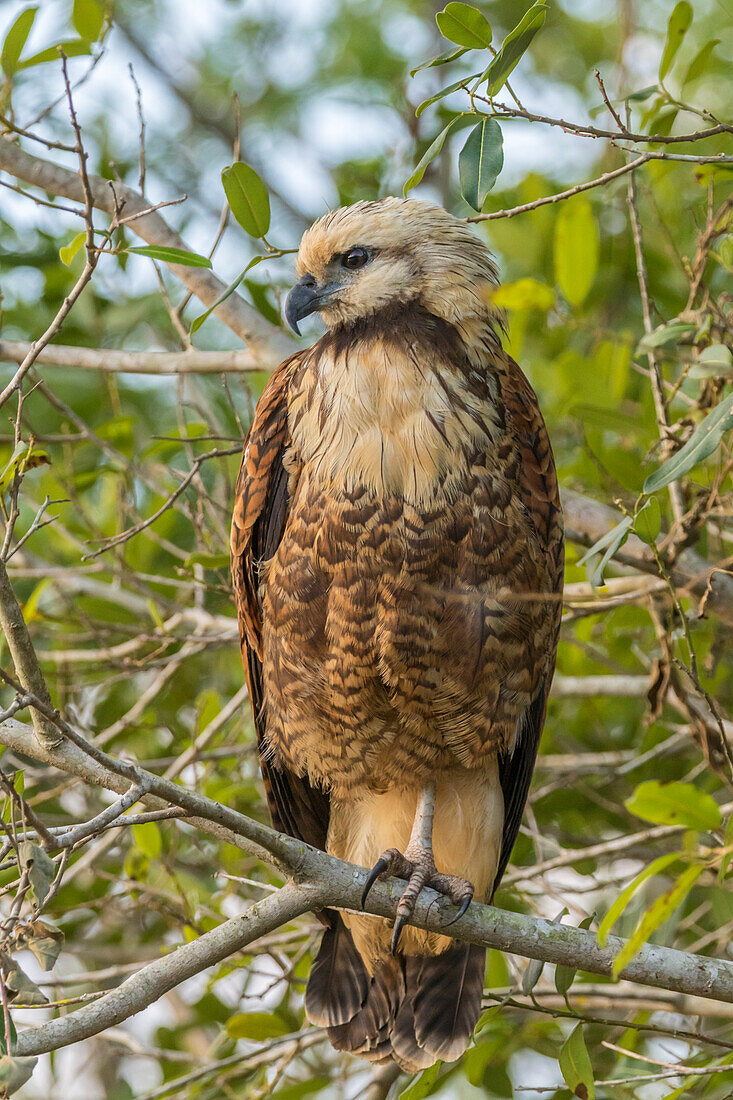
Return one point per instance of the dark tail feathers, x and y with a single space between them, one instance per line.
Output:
415 1009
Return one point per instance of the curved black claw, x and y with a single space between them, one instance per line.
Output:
462 910
378 869
399 924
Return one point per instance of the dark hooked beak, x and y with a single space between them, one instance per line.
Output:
304 299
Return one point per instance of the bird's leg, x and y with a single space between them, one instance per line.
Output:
417 865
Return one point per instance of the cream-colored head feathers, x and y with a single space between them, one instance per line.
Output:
417 252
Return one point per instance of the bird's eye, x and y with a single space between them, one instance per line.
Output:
355 257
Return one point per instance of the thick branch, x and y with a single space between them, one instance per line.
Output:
266 342
334 883
329 881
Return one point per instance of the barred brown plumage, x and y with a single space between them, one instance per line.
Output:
397 557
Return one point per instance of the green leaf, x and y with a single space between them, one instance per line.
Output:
712 361
660 911
613 914
674 804
443 93
15 40
648 522
666 334
703 442
256 1026
612 541
576 250
148 839
432 152
88 18
424 1085
247 197
525 293
564 978
171 255
532 974
14 1072
75 47
575 1065
679 21
68 251
464 25
642 95
480 161
699 63
441 59
198 321
514 46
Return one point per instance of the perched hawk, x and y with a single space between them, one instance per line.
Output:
397 555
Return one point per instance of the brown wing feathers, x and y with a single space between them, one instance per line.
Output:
539 491
260 513
415 1009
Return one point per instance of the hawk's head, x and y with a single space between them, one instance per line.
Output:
360 259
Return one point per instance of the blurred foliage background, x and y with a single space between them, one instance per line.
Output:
138 643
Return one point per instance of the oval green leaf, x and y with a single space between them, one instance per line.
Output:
68 251
704 441
432 152
699 63
713 360
171 255
464 25
576 250
670 333
15 40
575 1065
679 21
256 1026
424 1085
514 47
88 18
247 197
75 47
648 522
480 162
441 59
674 804
443 93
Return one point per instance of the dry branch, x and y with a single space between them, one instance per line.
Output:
134 362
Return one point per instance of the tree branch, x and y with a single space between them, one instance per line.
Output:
267 343
134 362
330 882
586 521
323 881
156 979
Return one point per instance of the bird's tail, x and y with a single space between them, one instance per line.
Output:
415 1009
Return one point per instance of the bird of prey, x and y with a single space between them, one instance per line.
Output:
397 558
